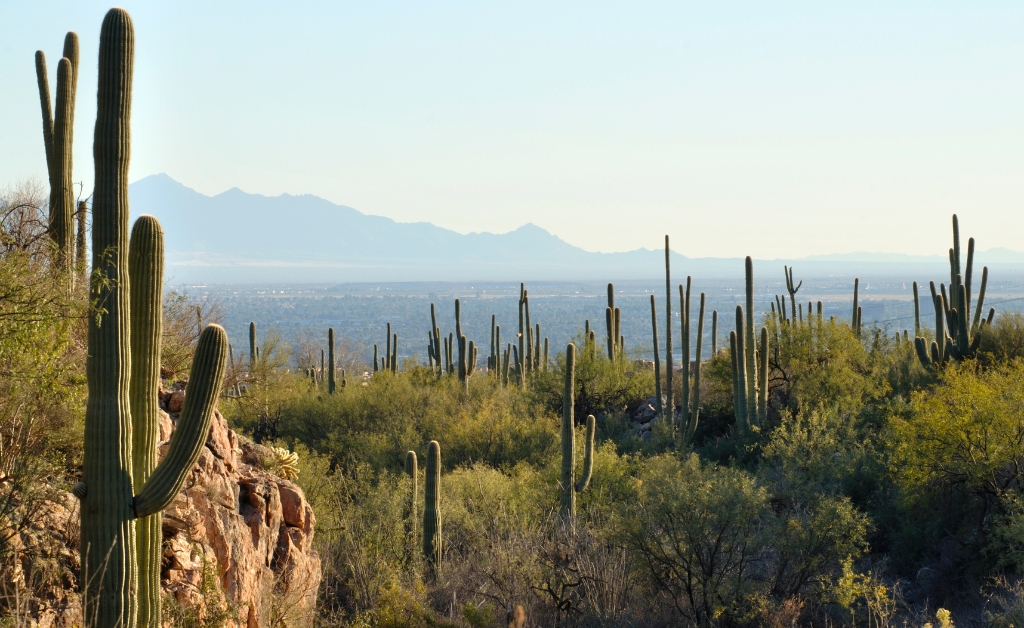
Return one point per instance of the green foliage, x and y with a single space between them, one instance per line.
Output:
956 455
699 532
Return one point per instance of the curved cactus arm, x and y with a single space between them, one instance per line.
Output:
981 298
588 456
193 426
43 82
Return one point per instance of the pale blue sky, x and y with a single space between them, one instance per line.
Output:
771 129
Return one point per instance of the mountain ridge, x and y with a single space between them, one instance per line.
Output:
228 236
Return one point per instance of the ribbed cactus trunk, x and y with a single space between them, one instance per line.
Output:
528 362
669 401
108 527
431 508
740 373
412 470
855 316
609 317
684 339
692 414
252 337
657 360
762 374
330 361
81 249
145 272
714 333
111 562
394 353
569 484
750 344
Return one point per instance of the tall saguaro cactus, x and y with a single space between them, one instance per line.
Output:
431 507
252 343
669 403
569 484
790 288
58 136
953 312
330 361
749 342
110 560
412 470
657 360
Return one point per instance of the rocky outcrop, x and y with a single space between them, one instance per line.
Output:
251 530
238 541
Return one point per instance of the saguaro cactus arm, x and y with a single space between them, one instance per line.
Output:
193 426
431 506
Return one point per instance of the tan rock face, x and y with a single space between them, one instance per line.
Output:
235 525
251 530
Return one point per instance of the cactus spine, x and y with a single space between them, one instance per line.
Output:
669 403
110 563
569 484
431 507
657 359
330 361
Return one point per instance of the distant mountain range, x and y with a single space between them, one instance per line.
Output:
235 237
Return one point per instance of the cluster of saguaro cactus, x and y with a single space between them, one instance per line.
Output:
749 362
953 310
58 137
689 413
120 534
570 485
390 360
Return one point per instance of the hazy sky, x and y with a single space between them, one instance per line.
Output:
772 129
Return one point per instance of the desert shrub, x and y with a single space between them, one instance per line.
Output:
956 455
377 423
1004 340
699 532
